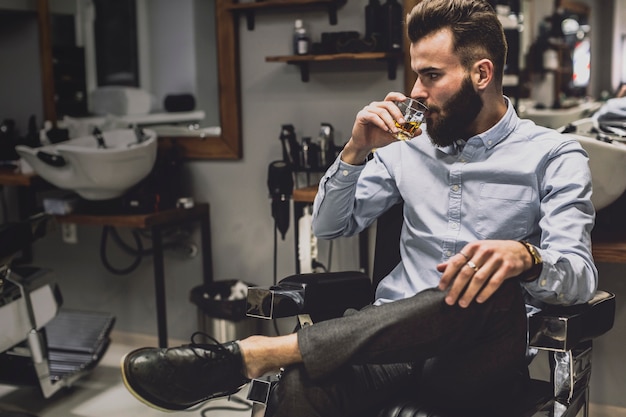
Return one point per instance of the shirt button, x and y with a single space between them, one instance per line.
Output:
489 142
345 172
454 226
455 187
448 253
462 160
543 283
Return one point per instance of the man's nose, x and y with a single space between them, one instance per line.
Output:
419 92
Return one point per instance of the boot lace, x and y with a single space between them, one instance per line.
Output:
199 348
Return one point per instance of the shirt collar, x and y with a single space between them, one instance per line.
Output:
501 130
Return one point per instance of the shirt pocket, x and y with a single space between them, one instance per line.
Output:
505 211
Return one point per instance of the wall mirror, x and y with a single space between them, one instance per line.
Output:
224 146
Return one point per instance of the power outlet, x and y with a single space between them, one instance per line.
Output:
68 231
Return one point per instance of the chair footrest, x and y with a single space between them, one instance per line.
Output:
76 342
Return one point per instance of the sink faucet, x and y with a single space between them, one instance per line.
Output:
99 137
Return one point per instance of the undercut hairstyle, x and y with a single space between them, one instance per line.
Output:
477 32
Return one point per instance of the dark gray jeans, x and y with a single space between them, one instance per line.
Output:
454 358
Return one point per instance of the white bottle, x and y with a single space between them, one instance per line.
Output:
307 244
300 39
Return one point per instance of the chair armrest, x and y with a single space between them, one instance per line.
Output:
321 295
561 328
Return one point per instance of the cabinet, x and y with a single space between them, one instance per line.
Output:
304 61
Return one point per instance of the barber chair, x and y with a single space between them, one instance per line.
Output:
40 343
566 333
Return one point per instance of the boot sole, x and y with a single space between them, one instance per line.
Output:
135 394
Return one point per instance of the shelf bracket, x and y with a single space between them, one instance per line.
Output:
332 13
250 20
392 67
304 71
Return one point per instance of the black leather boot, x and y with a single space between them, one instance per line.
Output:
181 377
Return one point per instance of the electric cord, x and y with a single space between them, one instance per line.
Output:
138 251
105 261
275 280
5 208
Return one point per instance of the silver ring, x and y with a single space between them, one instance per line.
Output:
472 265
464 255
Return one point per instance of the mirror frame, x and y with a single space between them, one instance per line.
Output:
226 146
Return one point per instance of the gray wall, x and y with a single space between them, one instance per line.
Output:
242 230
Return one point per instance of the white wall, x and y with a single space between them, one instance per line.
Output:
20 79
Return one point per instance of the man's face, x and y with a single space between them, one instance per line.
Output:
445 86
455 115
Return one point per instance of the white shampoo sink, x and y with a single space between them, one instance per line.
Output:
95 169
607 161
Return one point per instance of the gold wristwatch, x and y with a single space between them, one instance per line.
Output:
535 270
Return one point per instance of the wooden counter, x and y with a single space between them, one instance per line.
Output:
11 177
609 249
156 222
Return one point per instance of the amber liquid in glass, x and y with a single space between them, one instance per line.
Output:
407 130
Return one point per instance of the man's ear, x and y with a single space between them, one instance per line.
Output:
483 73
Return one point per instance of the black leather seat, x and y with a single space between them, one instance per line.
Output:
567 333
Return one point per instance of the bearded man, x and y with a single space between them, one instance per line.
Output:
495 210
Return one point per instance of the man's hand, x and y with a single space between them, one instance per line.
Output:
480 268
373 128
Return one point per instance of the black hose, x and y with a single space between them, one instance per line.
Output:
139 251
103 254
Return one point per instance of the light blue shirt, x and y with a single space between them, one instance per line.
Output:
516 181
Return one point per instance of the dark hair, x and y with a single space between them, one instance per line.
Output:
476 30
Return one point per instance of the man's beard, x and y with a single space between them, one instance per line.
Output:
458 113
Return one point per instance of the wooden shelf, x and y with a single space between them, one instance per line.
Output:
274 4
294 59
250 7
303 61
305 194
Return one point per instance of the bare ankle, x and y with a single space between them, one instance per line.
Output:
254 360
263 354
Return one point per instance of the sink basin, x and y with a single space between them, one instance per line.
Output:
92 171
556 118
607 161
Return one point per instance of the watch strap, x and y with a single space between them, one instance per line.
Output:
534 271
